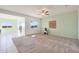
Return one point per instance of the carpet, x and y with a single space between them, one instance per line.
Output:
46 44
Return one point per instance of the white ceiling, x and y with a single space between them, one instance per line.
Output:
32 10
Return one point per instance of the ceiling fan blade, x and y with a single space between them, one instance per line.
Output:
47 14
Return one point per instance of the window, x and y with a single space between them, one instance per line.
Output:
6 24
34 24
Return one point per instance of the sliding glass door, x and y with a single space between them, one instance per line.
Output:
10 27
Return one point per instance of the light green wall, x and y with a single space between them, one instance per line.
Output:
66 24
78 23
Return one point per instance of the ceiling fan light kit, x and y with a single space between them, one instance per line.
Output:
44 12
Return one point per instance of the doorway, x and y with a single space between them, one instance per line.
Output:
9 28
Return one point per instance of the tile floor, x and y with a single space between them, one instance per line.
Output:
6 44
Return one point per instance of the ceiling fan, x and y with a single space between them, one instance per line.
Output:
44 12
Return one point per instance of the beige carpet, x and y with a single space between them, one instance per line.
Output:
46 44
